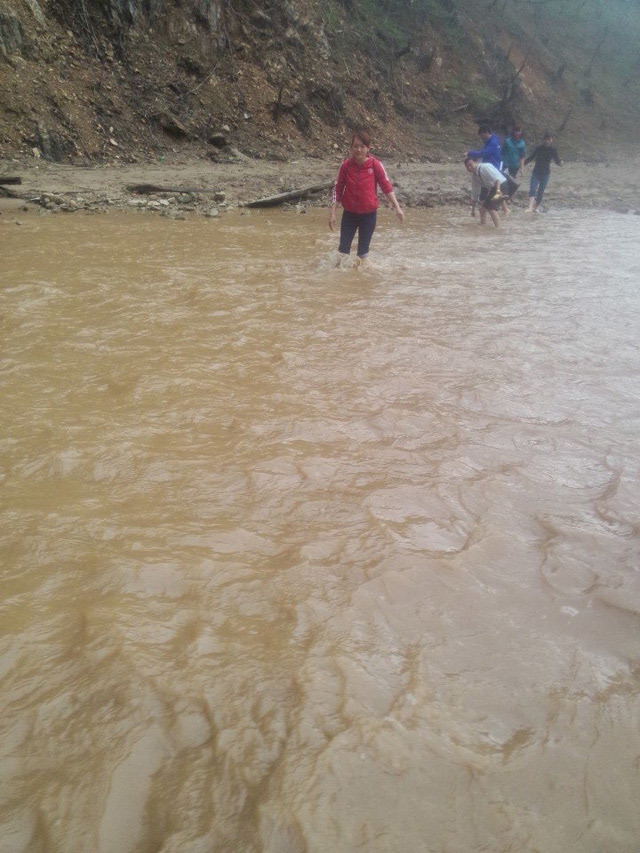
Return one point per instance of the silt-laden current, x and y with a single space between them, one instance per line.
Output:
298 558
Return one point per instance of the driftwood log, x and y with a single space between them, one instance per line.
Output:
293 195
151 189
5 180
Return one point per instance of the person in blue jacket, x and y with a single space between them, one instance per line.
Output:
491 151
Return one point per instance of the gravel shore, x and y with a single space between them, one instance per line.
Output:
209 189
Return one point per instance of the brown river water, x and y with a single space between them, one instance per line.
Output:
298 558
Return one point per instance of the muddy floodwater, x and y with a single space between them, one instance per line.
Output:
298 558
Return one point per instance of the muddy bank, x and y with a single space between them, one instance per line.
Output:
200 187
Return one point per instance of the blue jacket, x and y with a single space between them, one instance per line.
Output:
491 152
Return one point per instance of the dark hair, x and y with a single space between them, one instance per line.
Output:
547 135
484 128
467 159
517 128
363 136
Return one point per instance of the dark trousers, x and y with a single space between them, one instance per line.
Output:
364 224
538 185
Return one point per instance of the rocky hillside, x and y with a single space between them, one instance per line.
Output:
133 80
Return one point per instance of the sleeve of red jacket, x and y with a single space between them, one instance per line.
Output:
338 187
382 178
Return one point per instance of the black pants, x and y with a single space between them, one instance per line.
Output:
364 224
507 188
510 186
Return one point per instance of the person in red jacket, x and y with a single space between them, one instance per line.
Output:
356 190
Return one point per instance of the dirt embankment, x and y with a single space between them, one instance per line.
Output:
137 81
200 187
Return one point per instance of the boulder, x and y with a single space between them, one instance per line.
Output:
171 126
218 140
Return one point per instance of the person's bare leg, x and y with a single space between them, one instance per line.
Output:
483 215
494 216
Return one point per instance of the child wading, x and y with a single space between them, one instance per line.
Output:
491 152
355 189
491 182
543 155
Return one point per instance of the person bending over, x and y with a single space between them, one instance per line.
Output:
492 182
491 152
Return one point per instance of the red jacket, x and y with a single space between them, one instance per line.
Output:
356 185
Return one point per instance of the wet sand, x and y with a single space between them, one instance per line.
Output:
610 185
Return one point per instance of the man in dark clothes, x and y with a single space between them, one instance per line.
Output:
543 155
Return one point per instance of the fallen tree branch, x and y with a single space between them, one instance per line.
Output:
152 189
293 195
